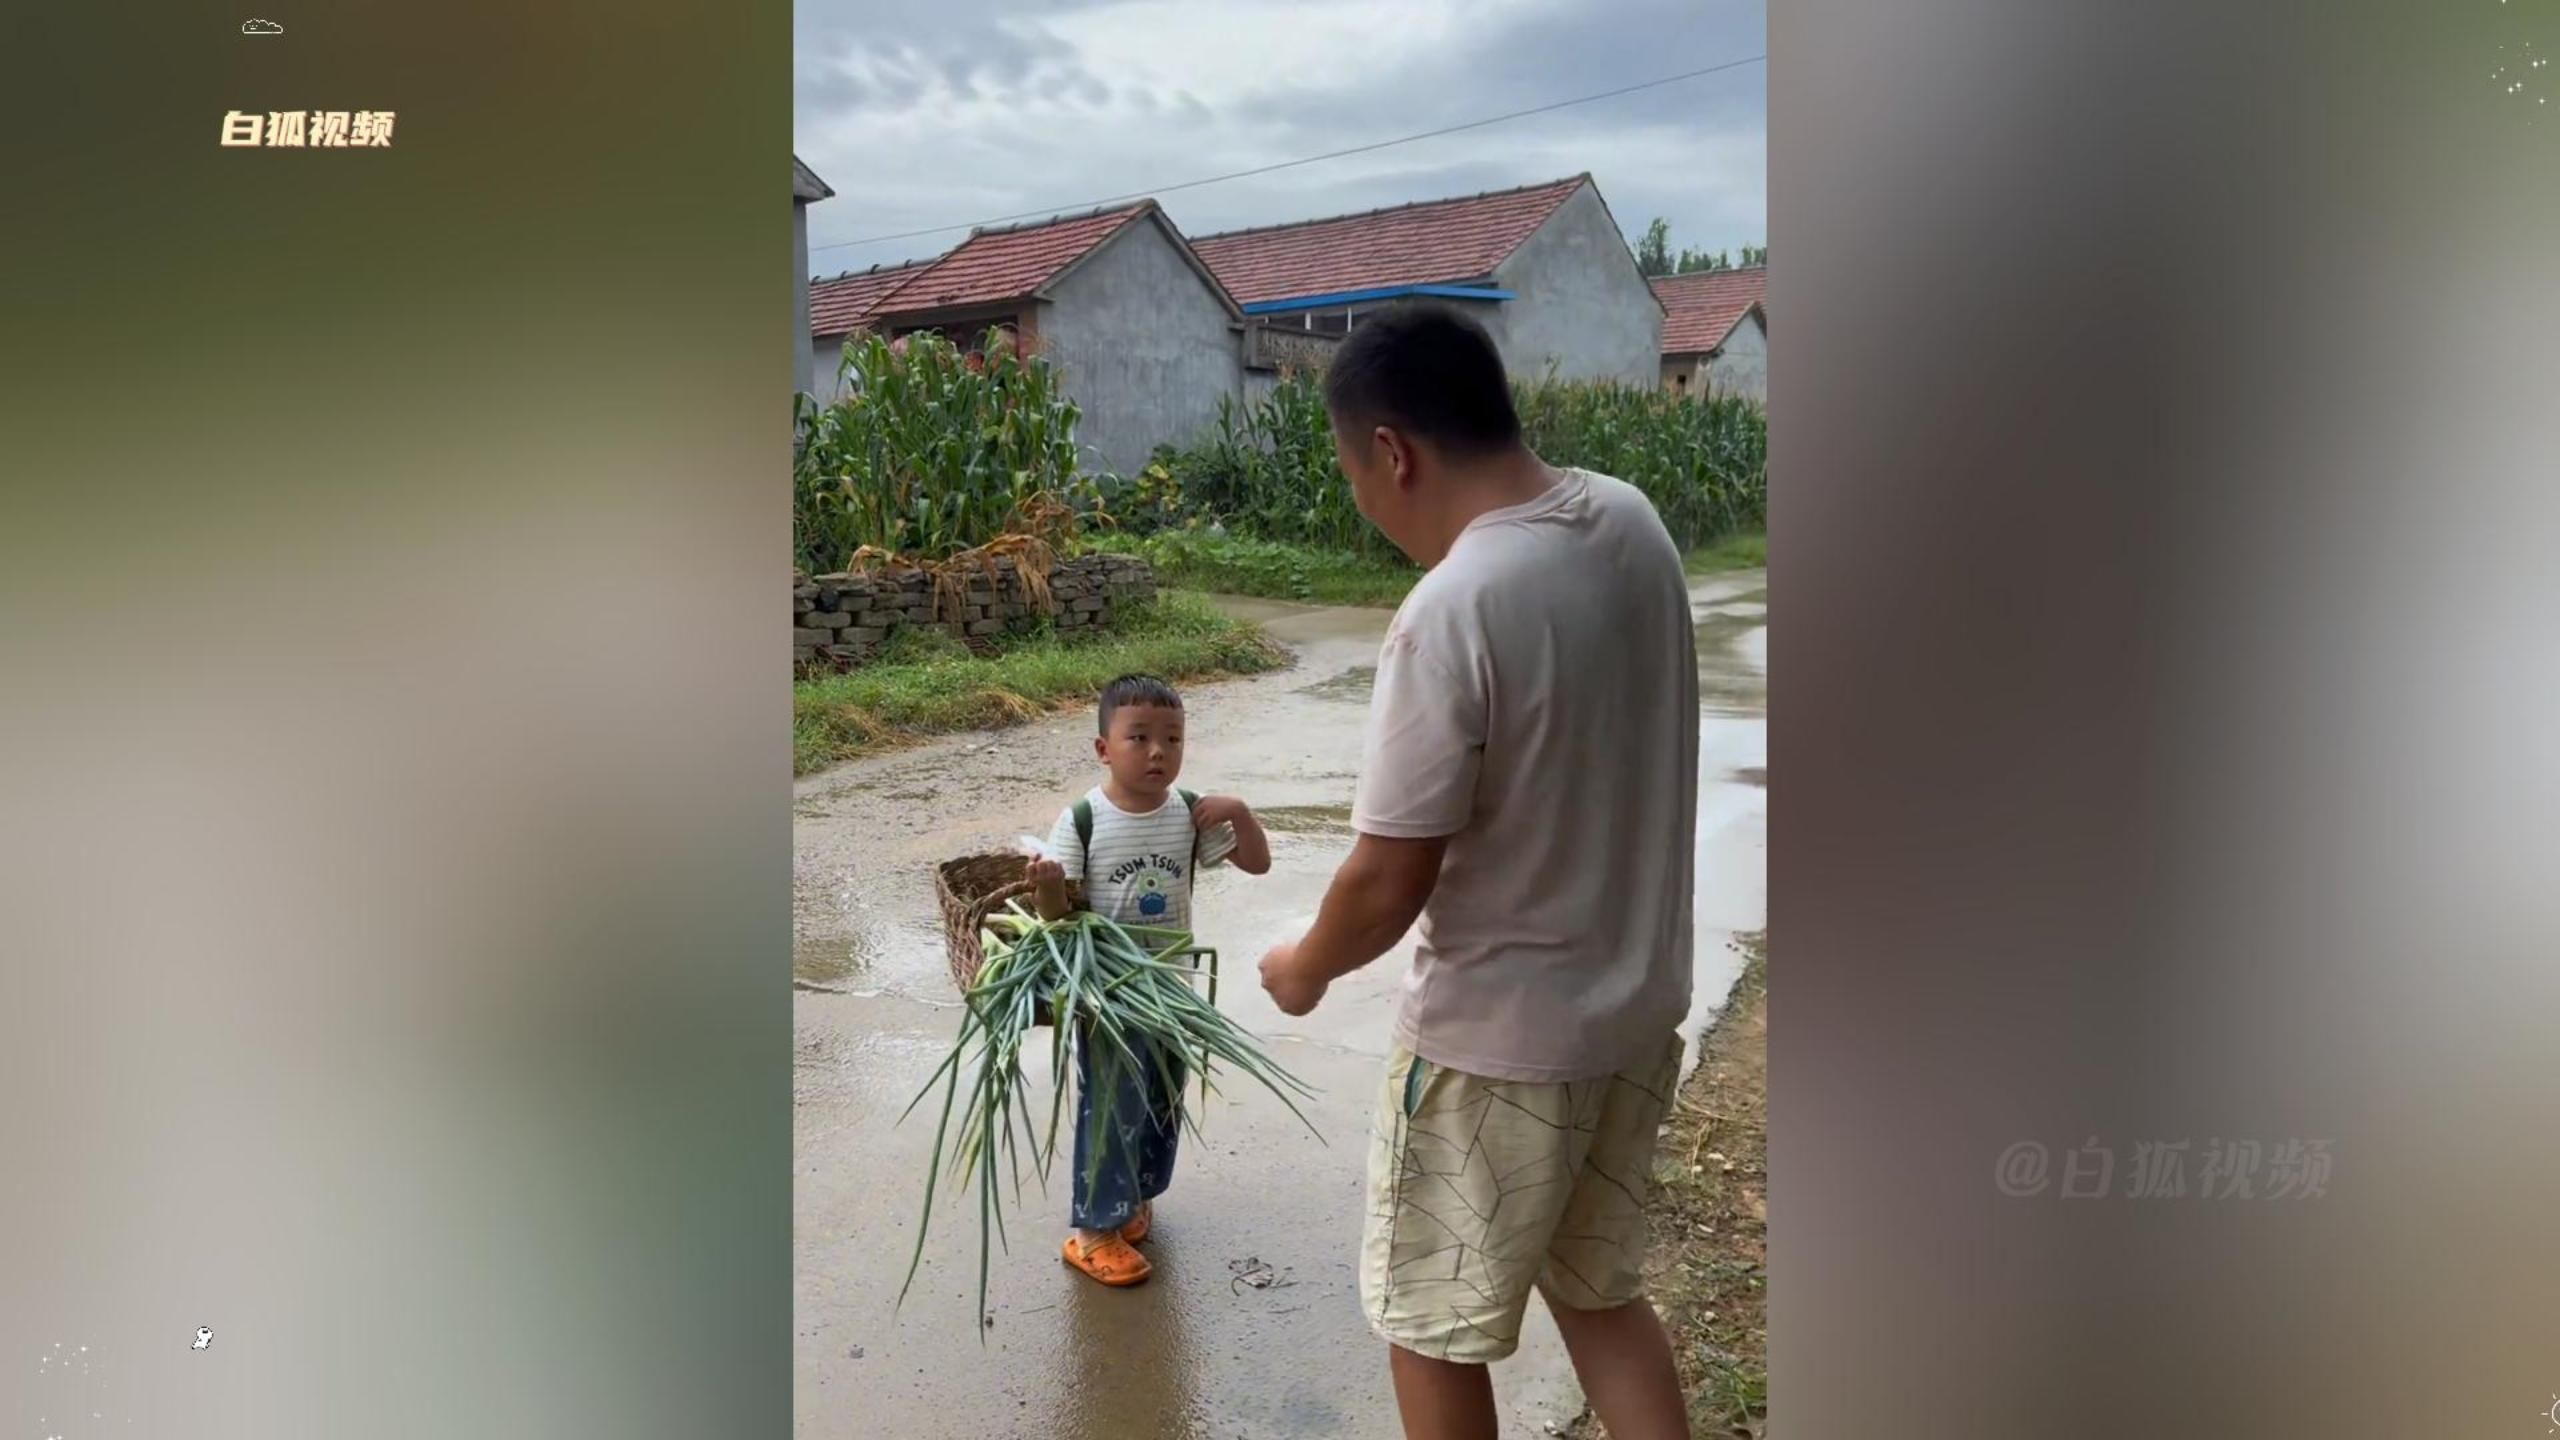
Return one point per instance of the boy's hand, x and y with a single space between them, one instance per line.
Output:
1253 848
1294 991
1214 810
1048 887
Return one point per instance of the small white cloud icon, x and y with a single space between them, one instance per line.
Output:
260 27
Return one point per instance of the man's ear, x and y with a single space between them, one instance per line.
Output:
1408 470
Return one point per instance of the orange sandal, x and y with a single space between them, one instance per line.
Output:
1109 1260
1140 1224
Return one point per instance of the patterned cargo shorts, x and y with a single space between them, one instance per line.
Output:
1482 1190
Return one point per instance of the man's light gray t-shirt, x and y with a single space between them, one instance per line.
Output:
1537 702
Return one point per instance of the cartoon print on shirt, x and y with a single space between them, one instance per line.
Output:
1153 880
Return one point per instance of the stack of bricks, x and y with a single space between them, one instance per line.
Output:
851 616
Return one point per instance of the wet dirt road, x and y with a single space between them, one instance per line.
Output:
1250 1328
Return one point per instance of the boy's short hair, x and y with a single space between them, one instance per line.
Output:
1426 370
1135 690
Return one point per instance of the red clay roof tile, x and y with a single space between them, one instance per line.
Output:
1702 307
844 303
1431 242
997 265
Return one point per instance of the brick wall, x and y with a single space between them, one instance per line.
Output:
854 615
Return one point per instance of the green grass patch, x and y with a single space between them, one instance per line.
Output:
1234 565
1745 550
926 683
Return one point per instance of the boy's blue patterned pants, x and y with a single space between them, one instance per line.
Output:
1137 1157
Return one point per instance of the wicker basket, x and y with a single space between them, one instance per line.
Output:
970 889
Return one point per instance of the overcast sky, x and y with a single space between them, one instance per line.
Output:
926 114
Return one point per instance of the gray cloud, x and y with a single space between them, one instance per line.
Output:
968 109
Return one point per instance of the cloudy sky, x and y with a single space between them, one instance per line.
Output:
931 114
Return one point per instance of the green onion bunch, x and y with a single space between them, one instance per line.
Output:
1126 993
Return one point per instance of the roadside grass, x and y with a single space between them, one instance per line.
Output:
1235 565
1708 1207
1742 550
926 683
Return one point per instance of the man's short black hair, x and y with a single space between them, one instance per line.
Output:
1426 370
1136 690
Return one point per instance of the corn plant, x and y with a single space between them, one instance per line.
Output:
931 451
1703 462
1269 471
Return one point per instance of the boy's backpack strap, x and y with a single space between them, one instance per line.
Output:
1191 802
1084 835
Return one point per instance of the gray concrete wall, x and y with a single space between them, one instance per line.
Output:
1583 306
804 365
1742 368
1143 347
825 358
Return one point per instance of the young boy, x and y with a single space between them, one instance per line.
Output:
1136 844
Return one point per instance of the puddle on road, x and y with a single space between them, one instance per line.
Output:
1352 684
1727 683
1306 819
831 960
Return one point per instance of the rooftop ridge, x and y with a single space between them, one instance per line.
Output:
885 267
1585 176
1097 212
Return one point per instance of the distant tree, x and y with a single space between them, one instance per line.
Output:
1654 255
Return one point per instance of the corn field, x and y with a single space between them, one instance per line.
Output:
931 451
1270 472
1703 462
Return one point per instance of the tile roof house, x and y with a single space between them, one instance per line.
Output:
1544 267
806 190
1144 337
1715 334
842 304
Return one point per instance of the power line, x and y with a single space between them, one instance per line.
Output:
1291 164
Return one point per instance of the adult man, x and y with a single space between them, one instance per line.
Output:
1530 794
